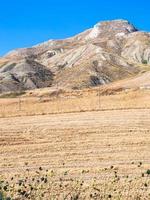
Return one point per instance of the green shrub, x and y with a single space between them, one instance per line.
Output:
148 172
145 62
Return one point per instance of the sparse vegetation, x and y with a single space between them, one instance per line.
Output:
48 184
144 62
66 140
12 94
84 151
148 172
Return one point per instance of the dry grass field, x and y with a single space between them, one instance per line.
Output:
102 139
52 102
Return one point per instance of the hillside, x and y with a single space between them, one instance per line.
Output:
110 51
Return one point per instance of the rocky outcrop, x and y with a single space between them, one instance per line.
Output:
25 74
137 47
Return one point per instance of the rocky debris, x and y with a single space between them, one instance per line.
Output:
110 51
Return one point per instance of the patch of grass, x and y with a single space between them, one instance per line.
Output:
3 64
12 94
144 62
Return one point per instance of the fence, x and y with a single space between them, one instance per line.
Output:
74 102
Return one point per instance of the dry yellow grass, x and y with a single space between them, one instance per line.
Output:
78 101
3 61
113 130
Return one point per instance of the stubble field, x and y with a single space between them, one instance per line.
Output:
92 143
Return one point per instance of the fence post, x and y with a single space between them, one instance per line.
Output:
19 103
99 103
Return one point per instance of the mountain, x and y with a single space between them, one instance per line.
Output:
110 51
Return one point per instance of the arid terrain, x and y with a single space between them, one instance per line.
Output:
75 117
108 52
87 140
86 134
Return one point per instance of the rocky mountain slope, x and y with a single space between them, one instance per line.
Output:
110 51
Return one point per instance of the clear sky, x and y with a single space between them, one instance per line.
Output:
24 23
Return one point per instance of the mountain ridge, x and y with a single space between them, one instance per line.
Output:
110 51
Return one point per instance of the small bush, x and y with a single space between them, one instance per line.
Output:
148 172
145 62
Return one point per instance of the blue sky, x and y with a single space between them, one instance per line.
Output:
24 23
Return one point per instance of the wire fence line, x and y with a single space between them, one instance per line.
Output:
56 104
62 103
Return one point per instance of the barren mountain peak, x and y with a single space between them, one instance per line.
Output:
109 51
119 26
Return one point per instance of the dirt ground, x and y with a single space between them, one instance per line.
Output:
89 136
77 141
